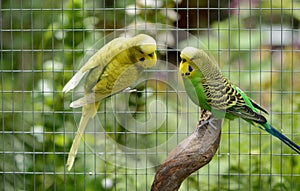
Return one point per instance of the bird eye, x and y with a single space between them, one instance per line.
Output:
183 60
151 55
142 59
190 68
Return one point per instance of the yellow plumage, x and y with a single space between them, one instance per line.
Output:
110 70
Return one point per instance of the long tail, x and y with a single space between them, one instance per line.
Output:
88 112
268 127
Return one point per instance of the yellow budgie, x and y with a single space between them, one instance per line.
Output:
110 70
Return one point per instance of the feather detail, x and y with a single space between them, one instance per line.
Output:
96 61
88 99
88 112
268 127
74 81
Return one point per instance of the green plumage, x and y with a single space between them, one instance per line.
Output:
208 88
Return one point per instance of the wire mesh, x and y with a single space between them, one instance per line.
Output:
43 43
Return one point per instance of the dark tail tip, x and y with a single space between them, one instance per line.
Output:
282 137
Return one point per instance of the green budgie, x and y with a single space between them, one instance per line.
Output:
208 88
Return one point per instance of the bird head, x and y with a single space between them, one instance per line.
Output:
196 61
145 51
187 66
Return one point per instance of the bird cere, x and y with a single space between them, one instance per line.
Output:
118 64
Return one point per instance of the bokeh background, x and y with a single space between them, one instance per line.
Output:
256 44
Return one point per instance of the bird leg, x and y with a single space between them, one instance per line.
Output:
129 90
207 119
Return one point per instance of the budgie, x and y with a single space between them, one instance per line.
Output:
209 89
110 70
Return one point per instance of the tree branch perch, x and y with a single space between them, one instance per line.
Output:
190 155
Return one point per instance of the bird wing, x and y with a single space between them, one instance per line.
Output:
99 59
246 113
243 106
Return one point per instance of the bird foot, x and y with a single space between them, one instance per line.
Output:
128 90
210 122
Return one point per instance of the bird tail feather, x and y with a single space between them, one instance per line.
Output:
74 81
270 129
88 112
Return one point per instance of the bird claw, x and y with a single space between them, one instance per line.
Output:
129 90
210 121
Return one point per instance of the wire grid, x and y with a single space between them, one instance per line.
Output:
256 44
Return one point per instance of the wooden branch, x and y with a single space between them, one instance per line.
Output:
190 155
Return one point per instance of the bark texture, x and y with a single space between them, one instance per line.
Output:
190 155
